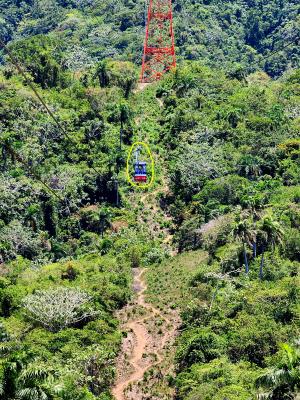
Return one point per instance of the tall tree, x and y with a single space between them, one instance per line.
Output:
245 232
270 233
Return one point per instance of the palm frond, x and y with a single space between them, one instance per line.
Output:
31 394
272 378
1 388
33 373
264 396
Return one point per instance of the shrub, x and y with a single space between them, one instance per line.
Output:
196 313
215 233
121 74
90 219
199 346
195 164
292 244
154 256
10 298
229 257
40 55
16 239
188 235
134 254
226 190
219 379
253 338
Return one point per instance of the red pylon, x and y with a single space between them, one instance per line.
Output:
159 48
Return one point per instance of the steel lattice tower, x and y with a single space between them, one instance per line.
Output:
159 49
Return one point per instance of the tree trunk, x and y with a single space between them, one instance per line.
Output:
121 134
117 192
246 258
254 249
213 297
261 267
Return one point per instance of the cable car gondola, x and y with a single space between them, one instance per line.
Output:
140 171
140 168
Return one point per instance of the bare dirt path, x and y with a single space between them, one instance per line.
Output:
144 359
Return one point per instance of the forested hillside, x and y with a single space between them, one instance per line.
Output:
217 234
235 35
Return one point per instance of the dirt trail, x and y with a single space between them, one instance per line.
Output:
147 355
154 216
144 349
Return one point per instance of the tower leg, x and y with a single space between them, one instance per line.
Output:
159 47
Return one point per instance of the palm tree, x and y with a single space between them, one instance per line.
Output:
282 381
249 166
233 116
23 383
102 73
20 380
245 233
31 384
270 233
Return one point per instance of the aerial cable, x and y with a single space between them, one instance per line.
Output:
31 170
32 87
295 40
55 119
37 177
22 72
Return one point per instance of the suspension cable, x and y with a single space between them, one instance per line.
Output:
32 87
31 170
57 122
272 53
16 63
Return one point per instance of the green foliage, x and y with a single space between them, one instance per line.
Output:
198 346
232 333
235 36
121 74
292 244
42 57
284 379
226 141
229 257
79 355
218 378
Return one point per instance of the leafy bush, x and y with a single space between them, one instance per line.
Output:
229 257
42 57
195 164
225 190
253 338
215 233
17 240
216 379
198 346
292 244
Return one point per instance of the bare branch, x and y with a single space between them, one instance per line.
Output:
59 308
